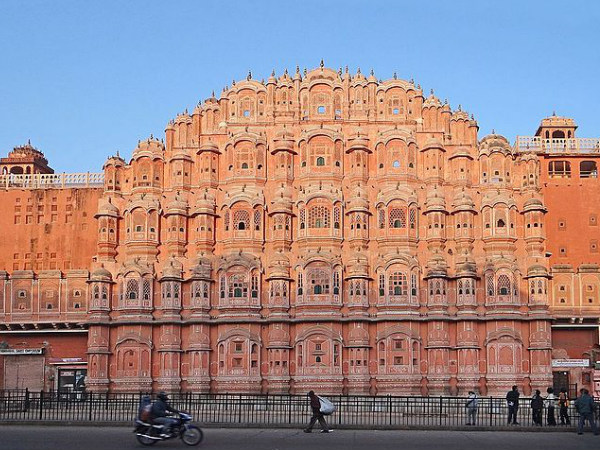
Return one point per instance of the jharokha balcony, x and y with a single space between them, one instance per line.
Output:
538 144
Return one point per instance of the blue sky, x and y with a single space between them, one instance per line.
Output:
83 79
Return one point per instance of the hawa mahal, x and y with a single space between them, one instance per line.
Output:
321 230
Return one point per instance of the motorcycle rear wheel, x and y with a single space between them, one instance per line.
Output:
145 440
192 435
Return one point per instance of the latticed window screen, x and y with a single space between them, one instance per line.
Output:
398 218
257 220
147 289
336 217
381 218
503 285
254 286
413 282
176 289
300 284
318 217
226 220
413 218
381 285
196 292
319 281
104 292
132 289
238 286
241 220
489 284
397 284
302 217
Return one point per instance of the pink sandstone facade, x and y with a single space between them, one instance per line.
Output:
318 231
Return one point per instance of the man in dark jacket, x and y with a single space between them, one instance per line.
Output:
512 399
315 404
160 408
585 407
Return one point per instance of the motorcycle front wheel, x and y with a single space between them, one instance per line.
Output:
192 435
145 440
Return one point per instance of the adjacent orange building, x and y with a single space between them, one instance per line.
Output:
321 231
571 191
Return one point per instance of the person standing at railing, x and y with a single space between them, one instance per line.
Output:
537 406
585 407
472 405
512 400
550 406
563 404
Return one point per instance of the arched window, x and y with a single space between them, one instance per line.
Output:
398 218
132 289
319 281
503 285
241 220
318 217
588 169
397 284
501 223
559 169
396 164
320 161
238 286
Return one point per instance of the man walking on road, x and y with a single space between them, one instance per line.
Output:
512 399
585 407
315 404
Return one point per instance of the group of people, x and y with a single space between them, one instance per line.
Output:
584 405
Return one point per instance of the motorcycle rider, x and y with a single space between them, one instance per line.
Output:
160 408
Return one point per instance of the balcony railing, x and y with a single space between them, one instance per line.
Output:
51 181
571 145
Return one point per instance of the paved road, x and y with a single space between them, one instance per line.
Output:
100 438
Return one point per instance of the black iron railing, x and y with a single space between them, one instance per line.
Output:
267 410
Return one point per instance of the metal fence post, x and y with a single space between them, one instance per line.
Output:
41 404
491 409
441 408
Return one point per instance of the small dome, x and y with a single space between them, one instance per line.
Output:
435 201
279 266
432 100
537 270
205 203
534 204
358 265
108 209
172 269
209 146
358 336
282 200
359 200
463 202
494 142
359 141
202 268
278 337
150 147
101 274
176 205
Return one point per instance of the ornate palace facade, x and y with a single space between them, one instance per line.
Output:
318 231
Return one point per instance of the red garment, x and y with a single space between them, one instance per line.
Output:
315 403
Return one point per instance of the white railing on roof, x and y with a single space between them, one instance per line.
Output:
555 145
51 181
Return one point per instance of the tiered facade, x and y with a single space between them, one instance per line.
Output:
320 231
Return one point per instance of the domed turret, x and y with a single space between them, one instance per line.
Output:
101 274
435 201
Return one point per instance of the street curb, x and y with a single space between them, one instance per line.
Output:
100 424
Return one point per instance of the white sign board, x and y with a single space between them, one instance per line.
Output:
21 351
570 363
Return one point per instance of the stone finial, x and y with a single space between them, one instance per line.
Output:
305 71
459 107
213 93
273 73
395 76
372 71
358 70
340 71
297 69
322 64
249 77
431 91
346 69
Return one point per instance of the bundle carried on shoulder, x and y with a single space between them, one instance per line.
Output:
327 407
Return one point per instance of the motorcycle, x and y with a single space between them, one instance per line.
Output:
149 434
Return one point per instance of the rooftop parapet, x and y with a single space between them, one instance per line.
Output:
51 181
537 144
